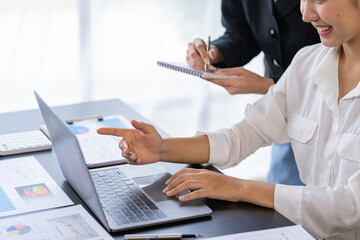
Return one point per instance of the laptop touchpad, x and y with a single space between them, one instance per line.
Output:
154 185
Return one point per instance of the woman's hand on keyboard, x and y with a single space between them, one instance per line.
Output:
209 184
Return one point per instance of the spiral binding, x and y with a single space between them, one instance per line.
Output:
193 72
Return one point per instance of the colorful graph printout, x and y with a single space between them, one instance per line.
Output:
35 194
25 186
78 130
36 191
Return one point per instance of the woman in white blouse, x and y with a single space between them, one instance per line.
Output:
315 106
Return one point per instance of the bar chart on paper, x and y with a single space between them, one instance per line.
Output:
5 203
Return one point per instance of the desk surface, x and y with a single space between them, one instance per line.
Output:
227 218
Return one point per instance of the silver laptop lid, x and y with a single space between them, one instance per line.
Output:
71 159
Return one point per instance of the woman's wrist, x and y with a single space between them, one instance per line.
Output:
259 193
266 84
193 150
164 150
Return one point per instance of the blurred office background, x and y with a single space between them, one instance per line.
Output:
72 51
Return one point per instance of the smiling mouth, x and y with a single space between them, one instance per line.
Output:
323 29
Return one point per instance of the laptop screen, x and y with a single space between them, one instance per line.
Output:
71 159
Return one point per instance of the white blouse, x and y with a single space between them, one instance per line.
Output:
302 108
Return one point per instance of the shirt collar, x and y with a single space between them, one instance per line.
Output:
353 93
326 78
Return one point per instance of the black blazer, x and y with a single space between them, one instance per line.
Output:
253 26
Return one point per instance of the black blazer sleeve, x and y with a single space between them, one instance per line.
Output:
238 45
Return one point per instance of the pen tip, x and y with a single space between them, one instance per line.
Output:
198 235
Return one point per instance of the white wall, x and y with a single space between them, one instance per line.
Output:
43 46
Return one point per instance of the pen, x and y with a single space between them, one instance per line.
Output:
207 50
160 236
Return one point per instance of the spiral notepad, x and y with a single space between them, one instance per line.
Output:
184 68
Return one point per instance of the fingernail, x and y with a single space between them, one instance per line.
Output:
132 156
127 151
167 182
122 147
169 193
212 68
181 198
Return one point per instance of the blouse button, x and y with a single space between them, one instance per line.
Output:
275 62
273 34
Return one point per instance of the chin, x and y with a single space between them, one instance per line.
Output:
328 43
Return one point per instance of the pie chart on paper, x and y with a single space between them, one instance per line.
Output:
36 191
78 130
19 229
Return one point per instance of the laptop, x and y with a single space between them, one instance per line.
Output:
122 197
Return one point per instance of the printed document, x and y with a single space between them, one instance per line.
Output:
25 186
58 224
98 150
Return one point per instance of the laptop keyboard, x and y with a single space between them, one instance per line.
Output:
122 199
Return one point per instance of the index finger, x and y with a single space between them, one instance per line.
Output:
201 48
237 71
182 171
119 132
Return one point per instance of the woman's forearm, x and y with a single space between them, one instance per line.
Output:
193 150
